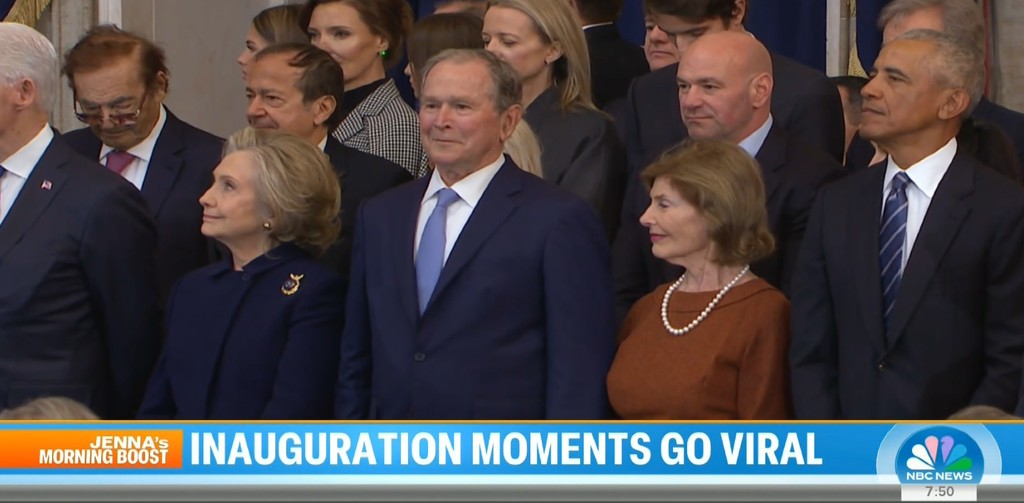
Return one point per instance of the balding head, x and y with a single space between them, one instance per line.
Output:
725 86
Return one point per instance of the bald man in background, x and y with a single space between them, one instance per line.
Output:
725 92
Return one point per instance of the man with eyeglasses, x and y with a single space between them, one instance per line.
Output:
120 81
79 315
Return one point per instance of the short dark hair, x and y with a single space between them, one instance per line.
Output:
320 75
106 43
391 19
279 24
599 11
437 32
853 84
696 10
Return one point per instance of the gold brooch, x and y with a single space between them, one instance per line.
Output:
291 285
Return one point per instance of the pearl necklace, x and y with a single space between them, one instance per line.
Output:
704 314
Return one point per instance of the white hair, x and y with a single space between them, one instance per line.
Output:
27 54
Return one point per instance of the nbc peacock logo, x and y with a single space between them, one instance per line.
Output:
940 455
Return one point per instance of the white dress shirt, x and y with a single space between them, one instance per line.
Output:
19 167
924 176
753 143
143 152
469 189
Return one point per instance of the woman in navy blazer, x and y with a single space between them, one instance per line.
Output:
257 335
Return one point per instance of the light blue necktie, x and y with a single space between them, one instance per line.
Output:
894 232
430 256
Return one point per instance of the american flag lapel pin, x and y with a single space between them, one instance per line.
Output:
47 185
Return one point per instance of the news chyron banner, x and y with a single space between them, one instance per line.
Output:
927 462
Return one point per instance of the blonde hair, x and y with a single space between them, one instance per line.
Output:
53 408
296 185
557 23
524 149
982 413
724 184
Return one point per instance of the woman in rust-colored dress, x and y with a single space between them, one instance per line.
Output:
711 345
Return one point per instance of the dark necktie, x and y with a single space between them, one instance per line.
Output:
892 239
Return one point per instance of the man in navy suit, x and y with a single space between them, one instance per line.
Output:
120 81
482 291
804 103
297 88
907 298
614 61
964 20
79 316
726 90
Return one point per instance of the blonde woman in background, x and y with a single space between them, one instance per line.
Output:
276 25
581 152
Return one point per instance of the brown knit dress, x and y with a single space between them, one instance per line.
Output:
732 365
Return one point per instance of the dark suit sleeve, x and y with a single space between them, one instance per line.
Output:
798 210
597 173
628 266
1004 317
159 402
119 263
813 354
308 368
819 121
580 324
352 393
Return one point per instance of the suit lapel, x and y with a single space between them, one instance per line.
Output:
404 250
863 226
772 156
946 213
46 180
164 165
494 207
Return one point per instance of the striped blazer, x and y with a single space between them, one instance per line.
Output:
383 125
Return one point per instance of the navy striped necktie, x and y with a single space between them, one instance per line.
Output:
893 241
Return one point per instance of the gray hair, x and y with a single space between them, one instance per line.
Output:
508 90
961 19
27 54
953 63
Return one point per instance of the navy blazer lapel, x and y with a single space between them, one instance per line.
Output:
407 216
946 213
494 207
164 165
863 226
47 179
772 156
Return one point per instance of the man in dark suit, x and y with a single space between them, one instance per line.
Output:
79 316
964 20
297 88
614 61
482 291
804 103
907 299
726 91
120 81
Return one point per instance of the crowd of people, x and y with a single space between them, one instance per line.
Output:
562 225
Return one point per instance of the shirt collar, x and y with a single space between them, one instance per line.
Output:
752 144
471 188
284 252
144 150
323 143
926 173
23 161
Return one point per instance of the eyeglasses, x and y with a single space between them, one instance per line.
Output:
115 117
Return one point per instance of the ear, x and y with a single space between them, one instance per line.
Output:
509 120
739 12
955 104
160 84
382 44
761 90
26 93
323 107
554 53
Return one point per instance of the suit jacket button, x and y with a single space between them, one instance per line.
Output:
883 366
419 357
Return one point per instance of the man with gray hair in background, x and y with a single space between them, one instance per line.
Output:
963 20
481 291
78 298
907 295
